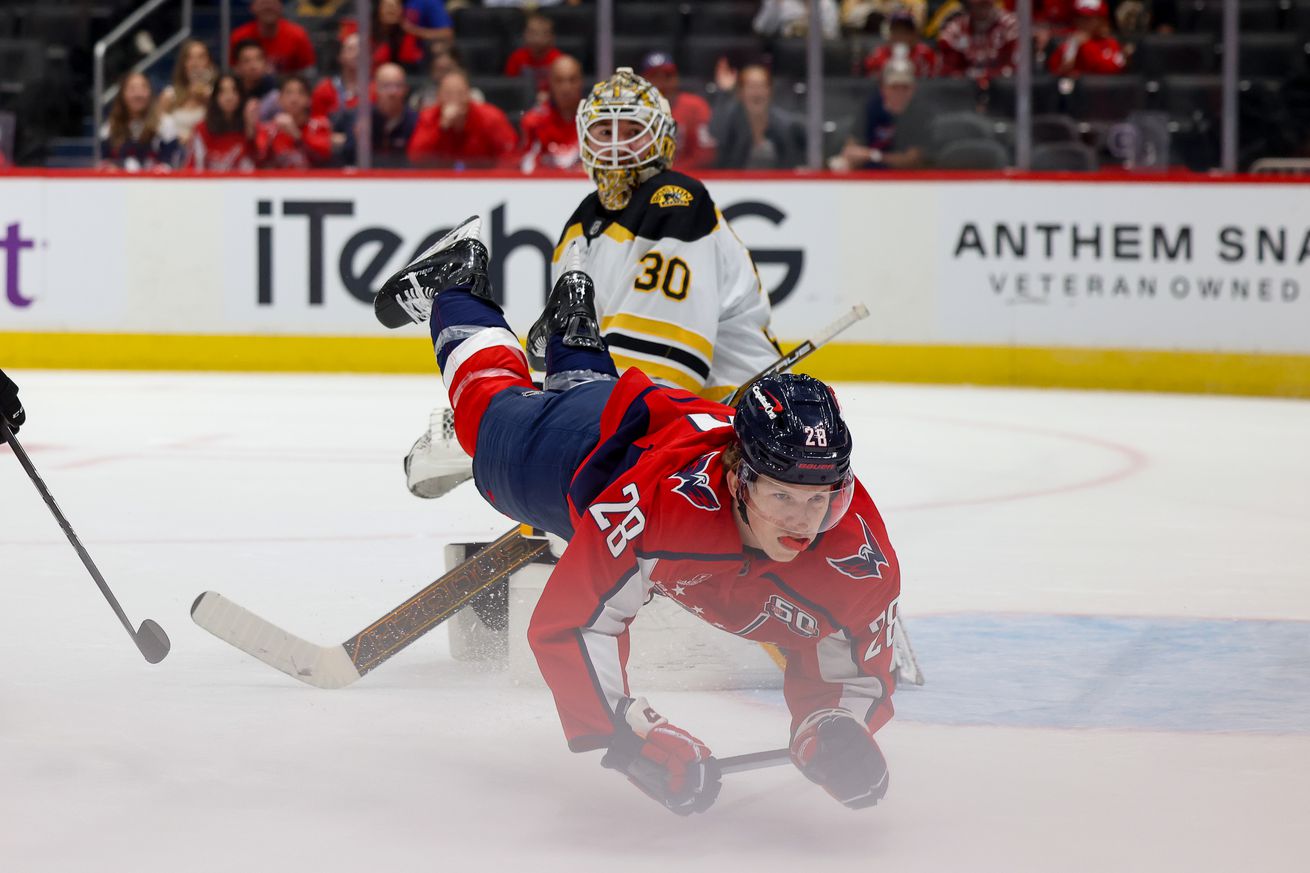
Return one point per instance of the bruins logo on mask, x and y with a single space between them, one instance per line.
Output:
671 195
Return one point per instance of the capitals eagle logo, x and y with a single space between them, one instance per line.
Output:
694 484
864 563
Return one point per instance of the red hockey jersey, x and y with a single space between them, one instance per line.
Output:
652 514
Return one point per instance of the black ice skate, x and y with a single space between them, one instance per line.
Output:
457 259
570 311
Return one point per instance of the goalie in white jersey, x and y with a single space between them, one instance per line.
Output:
677 292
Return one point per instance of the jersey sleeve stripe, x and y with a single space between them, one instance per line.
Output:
671 375
683 358
619 233
572 232
663 329
717 393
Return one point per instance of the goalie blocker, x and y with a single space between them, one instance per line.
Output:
753 523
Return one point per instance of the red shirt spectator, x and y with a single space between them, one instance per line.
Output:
537 53
220 152
904 43
392 42
460 133
334 93
221 142
294 139
550 132
981 44
1090 48
921 57
696 146
286 45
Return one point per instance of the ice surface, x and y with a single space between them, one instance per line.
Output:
1108 593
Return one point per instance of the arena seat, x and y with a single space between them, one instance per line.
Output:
1106 98
721 18
657 20
973 154
1069 157
1160 54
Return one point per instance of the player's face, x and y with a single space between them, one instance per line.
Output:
626 132
228 98
783 519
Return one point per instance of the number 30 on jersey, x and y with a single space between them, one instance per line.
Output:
630 522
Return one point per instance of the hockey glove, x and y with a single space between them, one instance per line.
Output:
834 749
666 762
10 409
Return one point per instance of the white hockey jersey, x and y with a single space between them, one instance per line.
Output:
677 292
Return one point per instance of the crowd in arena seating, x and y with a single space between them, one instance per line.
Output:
496 83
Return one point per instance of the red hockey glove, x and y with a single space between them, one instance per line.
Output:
666 762
834 748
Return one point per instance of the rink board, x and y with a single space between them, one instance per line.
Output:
1153 284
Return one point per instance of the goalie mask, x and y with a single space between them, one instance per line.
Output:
625 135
795 471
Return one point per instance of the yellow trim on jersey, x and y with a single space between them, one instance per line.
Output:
619 233
717 393
657 371
662 329
572 232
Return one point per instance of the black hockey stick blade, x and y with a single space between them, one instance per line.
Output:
754 761
150 639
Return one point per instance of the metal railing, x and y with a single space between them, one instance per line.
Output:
102 96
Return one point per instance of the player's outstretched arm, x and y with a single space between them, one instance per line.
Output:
835 749
668 764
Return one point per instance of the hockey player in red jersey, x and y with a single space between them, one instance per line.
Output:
750 518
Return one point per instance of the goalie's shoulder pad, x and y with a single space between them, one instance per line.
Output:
670 205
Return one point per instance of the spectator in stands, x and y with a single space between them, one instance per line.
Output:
392 43
444 57
1090 48
224 140
286 45
869 15
457 132
136 137
752 133
251 70
335 93
295 139
550 130
530 4
320 8
393 122
187 99
981 44
428 21
791 18
903 42
537 53
696 145
885 145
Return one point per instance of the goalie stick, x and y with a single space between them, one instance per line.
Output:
342 665
150 638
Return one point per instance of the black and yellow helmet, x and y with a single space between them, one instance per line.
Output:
620 156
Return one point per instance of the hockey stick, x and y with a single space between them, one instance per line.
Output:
754 761
150 638
857 312
340 665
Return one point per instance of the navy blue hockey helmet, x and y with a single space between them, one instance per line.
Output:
795 470
791 429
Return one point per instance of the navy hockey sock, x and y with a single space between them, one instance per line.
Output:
458 315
